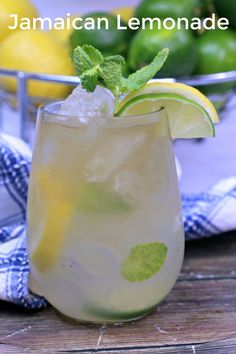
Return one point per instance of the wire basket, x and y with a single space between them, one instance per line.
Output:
27 106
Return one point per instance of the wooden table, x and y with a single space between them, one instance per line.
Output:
199 316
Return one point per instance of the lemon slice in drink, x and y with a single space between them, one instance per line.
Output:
59 210
190 113
91 198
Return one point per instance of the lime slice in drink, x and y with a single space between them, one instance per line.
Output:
97 199
110 315
190 113
145 260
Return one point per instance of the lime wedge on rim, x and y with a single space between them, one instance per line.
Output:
190 113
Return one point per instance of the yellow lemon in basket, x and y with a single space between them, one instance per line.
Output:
37 52
63 35
22 8
125 12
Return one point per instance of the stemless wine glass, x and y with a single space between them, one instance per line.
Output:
105 233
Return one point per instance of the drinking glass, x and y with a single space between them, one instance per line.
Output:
105 233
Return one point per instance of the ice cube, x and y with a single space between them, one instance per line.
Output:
88 261
111 153
98 260
80 103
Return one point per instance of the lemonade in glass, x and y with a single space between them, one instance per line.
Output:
105 233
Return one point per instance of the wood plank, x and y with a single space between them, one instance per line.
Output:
227 346
200 312
195 312
210 258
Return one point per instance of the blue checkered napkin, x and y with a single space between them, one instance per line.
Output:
210 213
205 215
14 265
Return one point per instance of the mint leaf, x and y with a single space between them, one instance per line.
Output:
111 74
94 69
86 58
116 59
89 79
144 261
139 79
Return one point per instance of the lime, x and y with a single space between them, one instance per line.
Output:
125 12
21 8
216 52
95 198
182 59
166 8
110 40
118 316
204 8
190 113
145 260
37 52
227 8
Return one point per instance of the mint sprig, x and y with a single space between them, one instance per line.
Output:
95 69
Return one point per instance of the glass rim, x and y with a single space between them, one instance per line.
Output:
43 109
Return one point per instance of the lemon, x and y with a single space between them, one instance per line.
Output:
54 235
22 8
125 12
37 52
59 211
63 35
190 113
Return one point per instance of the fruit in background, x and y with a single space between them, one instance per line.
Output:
110 40
63 35
23 8
182 59
166 8
216 52
125 12
204 8
38 52
227 8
